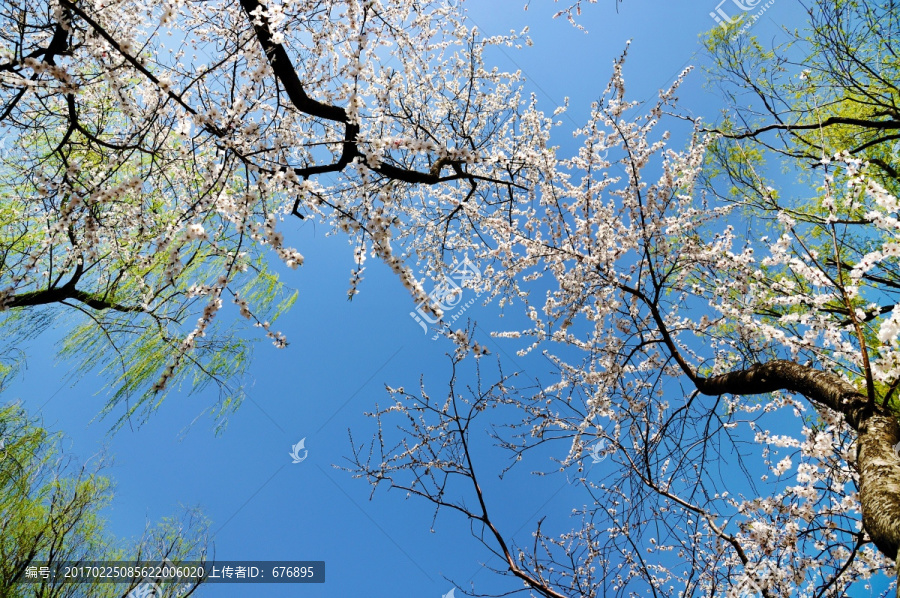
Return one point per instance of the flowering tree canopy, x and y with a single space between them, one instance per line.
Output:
701 336
698 334
149 160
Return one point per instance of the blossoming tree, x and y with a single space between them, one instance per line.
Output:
697 335
149 169
148 159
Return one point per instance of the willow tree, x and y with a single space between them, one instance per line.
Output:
828 88
50 514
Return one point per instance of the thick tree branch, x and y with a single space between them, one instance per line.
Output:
284 69
59 294
830 121
286 73
820 387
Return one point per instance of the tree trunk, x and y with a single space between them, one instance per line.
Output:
879 481
878 435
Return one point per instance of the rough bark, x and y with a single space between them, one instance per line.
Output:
878 434
822 388
879 481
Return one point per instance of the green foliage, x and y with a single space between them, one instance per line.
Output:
50 512
97 261
827 90
834 84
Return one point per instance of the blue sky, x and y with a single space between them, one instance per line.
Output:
263 507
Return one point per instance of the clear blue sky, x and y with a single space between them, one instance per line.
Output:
262 506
